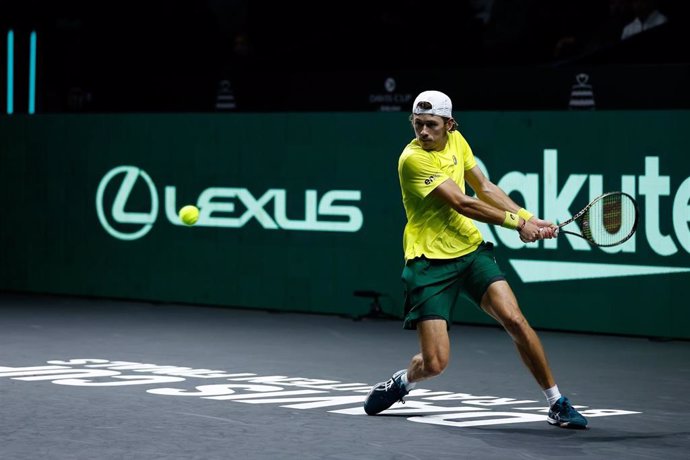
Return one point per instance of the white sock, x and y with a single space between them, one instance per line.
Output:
406 383
552 394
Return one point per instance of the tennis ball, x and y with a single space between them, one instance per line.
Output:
189 214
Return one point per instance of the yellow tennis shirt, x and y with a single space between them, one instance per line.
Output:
433 228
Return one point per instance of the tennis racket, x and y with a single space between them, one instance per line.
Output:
609 220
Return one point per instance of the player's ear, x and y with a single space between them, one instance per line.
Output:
452 125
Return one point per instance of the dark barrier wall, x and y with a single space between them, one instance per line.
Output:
300 210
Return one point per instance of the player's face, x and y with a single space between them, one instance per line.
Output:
431 131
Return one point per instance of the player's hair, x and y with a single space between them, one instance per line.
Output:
424 105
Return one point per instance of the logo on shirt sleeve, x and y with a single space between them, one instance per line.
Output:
431 179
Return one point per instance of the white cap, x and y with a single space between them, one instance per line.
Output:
440 104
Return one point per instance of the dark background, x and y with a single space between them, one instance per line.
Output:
180 56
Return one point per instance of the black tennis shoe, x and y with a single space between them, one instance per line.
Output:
563 414
383 395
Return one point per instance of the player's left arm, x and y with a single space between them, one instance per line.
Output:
492 194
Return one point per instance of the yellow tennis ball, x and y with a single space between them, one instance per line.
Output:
189 214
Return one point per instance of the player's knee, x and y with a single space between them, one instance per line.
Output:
516 325
435 365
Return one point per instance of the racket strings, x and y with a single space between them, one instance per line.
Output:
610 220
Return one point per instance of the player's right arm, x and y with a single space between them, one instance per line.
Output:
492 194
450 192
420 175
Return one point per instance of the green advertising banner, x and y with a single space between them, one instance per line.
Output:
300 210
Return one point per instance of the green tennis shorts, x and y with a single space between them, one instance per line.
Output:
432 286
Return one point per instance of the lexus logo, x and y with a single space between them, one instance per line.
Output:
117 212
225 207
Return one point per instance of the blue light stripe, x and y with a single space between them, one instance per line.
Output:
10 72
32 74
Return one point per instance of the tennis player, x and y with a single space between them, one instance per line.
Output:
445 256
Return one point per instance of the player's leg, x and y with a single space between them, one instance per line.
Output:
500 302
431 291
431 361
434 344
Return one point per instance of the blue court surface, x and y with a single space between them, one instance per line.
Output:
109 379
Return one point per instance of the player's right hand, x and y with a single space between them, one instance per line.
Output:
531 232
548 229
